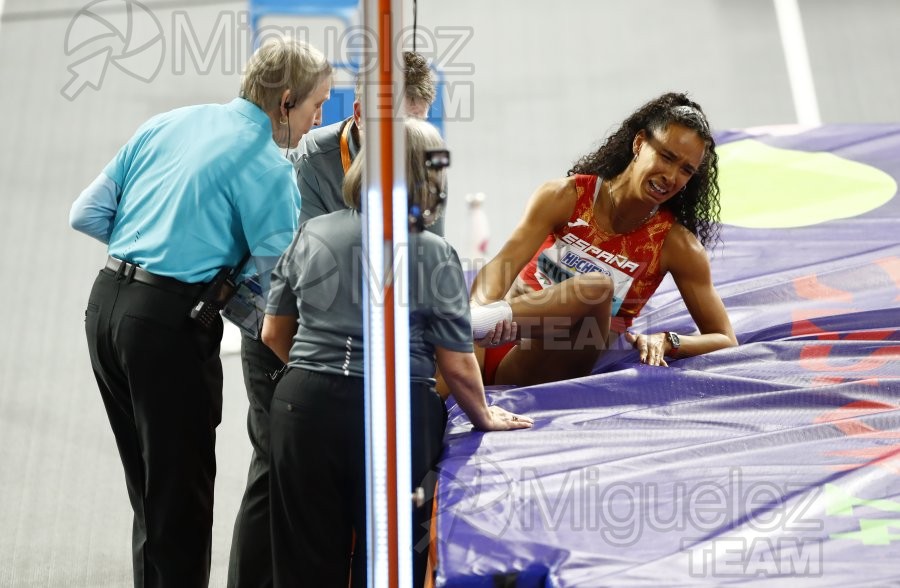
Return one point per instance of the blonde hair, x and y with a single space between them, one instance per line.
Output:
283 64
420 137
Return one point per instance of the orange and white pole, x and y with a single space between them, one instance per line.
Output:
385 234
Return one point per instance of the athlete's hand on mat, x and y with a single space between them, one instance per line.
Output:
652 348
502 333
503 420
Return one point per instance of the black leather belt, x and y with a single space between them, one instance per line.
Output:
138 274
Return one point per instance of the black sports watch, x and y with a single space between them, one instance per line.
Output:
674 341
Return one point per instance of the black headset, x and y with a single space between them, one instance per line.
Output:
288 106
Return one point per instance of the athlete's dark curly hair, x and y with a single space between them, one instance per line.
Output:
697 206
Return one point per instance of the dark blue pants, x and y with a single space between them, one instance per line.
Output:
250 562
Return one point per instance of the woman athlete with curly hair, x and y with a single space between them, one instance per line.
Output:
594 246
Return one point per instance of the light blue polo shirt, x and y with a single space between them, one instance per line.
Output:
199 186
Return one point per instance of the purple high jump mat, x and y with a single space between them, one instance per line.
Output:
773 463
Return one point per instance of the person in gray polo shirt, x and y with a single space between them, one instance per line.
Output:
313 322
320 175
325 154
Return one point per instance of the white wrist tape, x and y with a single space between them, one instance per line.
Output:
485 317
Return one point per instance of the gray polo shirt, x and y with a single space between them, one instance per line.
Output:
319 280
320 173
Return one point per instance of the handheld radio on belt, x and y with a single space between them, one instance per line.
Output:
217 294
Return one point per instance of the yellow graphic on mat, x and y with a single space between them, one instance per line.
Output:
769 187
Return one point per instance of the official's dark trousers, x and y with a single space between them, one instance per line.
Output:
250 563
160 378
318 481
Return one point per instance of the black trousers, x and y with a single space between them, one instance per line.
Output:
250 562
318 480
160 378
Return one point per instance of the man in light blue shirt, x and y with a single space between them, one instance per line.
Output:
192 192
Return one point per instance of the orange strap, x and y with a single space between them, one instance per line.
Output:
345 145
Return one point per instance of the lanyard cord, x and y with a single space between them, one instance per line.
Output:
345 145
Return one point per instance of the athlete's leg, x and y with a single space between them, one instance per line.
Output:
564 330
